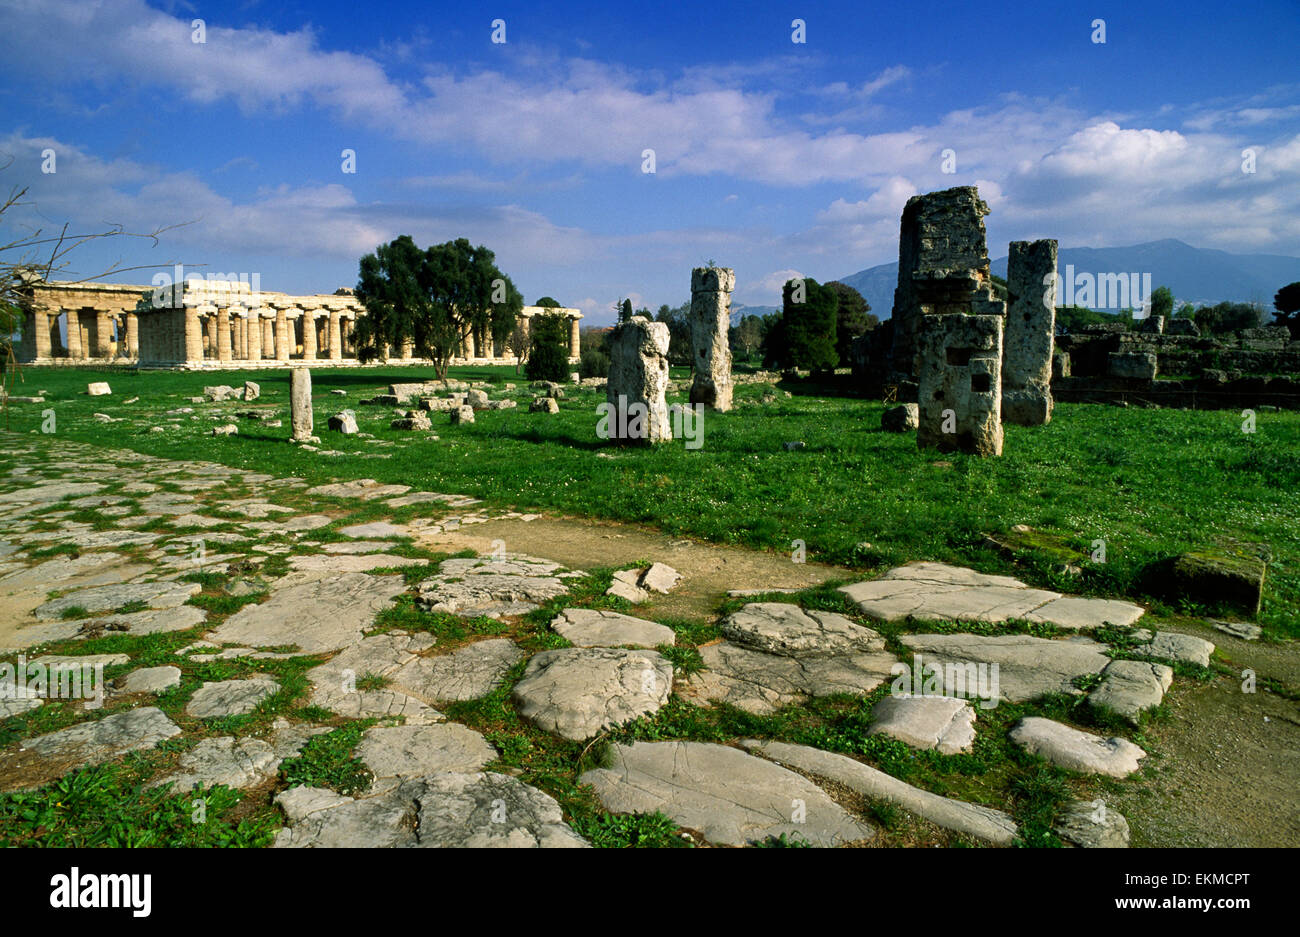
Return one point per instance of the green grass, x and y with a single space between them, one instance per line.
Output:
327 761
1150 483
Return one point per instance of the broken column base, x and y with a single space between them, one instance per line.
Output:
1027 406
959 383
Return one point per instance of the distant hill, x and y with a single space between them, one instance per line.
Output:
1195 274
740 310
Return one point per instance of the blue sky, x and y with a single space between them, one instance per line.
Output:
774 157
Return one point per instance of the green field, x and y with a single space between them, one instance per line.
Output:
1149 483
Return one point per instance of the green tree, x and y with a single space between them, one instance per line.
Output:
433 299
548 348
679 332
625 310
852 318
1186 311
547 303
746 336
1162 301
1287 303
805 335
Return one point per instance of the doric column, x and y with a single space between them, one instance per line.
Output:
268 335
223 333
40 323
254 339
282 326
408 350
467 346
575 342
336 337
132 335
74 334
193 336
309 334
209 314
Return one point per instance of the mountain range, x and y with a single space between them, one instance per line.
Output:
1195 274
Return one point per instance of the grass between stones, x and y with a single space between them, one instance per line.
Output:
1150 483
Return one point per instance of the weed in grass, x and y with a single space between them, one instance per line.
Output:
327 761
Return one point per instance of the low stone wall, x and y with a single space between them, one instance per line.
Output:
1211 392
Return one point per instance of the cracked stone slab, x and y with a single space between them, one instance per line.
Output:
415 751
108 597
660 577
299 802
446 810
376 529
149 621
730 797
576 692
941 723
937 591
316 614
335 682
467 673
763 683
625 585
359 546
293 524
333 564
1170 645
237 763
976 820
148 680
47 757
1075 749
788 630
1129 687
363 489
1028 667
589 627
493 586
230 697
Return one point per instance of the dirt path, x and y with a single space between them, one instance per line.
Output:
708 570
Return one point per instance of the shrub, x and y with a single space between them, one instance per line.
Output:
548 349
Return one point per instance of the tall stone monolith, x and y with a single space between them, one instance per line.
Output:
943 266
300 404
710 323
1028 339
959 391
638 379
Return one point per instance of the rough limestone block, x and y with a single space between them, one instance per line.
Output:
544 405
252 390
638 380
576 692
900 419
462 414
98 389
1075 749
959 360
1133 365
942 723
710 321
1092 825
1213 579
345 423
1027 340
300 404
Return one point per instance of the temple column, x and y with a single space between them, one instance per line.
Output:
41 332
336 337
74 334
575 341
132 335
254 330
223 333
193 336
268 336
309 334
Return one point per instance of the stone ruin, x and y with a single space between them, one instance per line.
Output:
943 266
960 383
300 404
638 380
1027 340
710 320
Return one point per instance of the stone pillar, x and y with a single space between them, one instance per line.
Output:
1028 339
943 265
638 379
268 336
467 345
575 339
300 404
309 334
710 321
41 332
308 321
223 333
254 335
193 336
73 326
408 350
282 343
959 394
132 335
336 337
